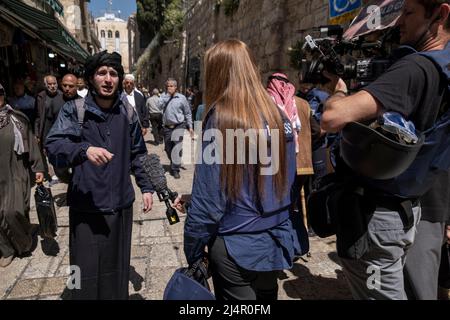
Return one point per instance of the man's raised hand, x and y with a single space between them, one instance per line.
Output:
99 156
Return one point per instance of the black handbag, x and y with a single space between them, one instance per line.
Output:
339 207
46 212
322 205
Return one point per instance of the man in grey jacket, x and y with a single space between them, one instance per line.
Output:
155 116
177 116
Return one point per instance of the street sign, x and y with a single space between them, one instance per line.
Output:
379 15
343 10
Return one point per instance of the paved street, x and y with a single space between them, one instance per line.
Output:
157 251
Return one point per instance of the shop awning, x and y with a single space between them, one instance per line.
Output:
45 27
56 5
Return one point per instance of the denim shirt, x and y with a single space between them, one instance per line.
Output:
263 250
316 99
176 110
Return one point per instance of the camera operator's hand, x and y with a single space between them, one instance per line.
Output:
147 198
99 156
336 84
181 202
179 205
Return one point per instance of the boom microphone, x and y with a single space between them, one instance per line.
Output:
155 173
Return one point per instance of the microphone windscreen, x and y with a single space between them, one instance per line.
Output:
155 171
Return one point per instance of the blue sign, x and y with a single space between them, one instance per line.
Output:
340 7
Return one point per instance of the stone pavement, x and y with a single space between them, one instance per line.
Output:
157 251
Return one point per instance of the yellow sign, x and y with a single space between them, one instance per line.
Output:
346 17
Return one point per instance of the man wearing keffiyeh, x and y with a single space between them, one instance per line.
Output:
282 92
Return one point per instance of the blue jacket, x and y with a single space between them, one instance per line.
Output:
258 234
316 99
106 188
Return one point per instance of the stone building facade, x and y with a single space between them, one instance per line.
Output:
80 23
269 27
133 41
113 35
35 41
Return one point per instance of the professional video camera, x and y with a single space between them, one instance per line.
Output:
358 60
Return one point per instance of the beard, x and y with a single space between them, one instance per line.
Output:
104 97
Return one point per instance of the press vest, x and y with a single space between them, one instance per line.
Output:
434 156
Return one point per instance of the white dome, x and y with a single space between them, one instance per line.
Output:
110 17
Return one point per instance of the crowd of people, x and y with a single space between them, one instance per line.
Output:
241 220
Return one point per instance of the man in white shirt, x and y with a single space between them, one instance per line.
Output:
82 90
131 96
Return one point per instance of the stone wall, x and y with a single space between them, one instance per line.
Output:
269 27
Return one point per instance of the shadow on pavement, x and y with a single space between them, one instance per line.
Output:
308 286
66 295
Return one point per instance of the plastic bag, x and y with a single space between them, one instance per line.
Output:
46 212
396 127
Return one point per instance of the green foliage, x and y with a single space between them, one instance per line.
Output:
173 19
217 6
296 54
153 16
230 6
150 17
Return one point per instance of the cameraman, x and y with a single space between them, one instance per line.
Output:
412 87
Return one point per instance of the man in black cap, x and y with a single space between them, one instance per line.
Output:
100 194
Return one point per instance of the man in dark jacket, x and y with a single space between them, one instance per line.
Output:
22 101
137 101
101 152
48 104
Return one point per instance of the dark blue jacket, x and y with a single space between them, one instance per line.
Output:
258 234
316 99
105 188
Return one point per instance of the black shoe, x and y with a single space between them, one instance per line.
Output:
176 175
